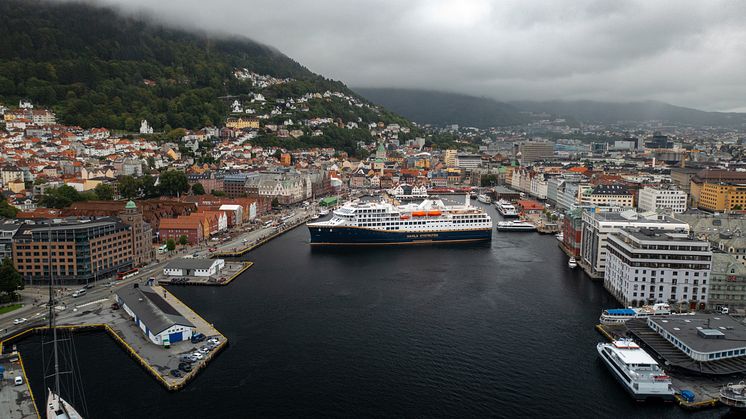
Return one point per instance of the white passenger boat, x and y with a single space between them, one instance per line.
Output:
323 212
572 263
560 236
506 209
734 396
515 225
621 315
484 199
636 370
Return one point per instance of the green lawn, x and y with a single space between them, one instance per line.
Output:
8 309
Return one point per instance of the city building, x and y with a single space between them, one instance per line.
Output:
718 190
468 161
648 266
242 122
656 199
174 228
608 195
141 233
193 267
74 251
449 157
535 150
154 316
7 231
727 282
598 225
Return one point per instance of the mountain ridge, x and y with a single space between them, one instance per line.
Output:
410 103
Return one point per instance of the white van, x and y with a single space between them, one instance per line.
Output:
79 293
18 380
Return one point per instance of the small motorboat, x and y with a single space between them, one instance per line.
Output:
572 263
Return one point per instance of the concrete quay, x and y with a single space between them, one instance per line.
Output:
16 401
231 271
156 360
237 252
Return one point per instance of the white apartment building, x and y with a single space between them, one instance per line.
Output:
654 199
468 161
598 225
651 266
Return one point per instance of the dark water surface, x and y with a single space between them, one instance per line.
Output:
499 329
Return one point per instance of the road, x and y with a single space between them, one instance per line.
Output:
35 298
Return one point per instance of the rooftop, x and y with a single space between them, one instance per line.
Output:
688 329
157 314
192 263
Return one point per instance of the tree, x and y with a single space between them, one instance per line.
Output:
218 193
275 203
198 189
183 240
10 279
170 245
173 183
128 187
7 210
149 190
60 197
104 192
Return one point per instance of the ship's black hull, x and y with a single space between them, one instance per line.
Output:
325 235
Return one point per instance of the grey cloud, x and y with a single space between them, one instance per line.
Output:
687 52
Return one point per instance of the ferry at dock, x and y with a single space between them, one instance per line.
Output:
621 315
506 209
515 225
431 221
484 199
636 370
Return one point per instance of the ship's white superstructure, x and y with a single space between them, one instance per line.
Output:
636 370
382 222
506 209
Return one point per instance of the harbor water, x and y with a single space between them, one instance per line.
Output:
501 329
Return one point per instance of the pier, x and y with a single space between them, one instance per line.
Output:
260 242
156 360
231 271
16 401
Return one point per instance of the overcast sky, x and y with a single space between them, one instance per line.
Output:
689 53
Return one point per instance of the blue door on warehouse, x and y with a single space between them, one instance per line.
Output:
175 337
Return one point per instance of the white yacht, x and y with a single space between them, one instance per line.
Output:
621 315
734 396
515 225
636 370
506 209
323 212
560 236
572 263
484 199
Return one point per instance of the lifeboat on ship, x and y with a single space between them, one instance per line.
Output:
419 213
404 217
433 213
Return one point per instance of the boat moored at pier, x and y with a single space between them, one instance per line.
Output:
485 199
515 225
621 315
506 209
431 221
636 370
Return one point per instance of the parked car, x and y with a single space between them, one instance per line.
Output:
20 320
186 367
205 349
176 373
198 337
198 355
186 358
89 286
214 341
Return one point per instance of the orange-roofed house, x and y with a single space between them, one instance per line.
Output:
529 206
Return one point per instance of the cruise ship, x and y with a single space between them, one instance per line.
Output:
636 370
506 209
431 221
621 315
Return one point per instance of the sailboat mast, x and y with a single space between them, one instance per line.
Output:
51 316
